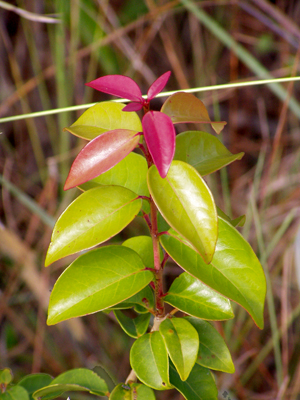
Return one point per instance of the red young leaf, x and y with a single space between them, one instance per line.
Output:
158 85
118 85
159 134
101 154
133 107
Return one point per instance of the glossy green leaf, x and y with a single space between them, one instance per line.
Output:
200 384
191 296
185 107
239 221
15 393
186 203
142 301
103 117
95 281
203 151
75 380
144 247
132 391
100 155
213 352
131 173
34 382
134 327
182 342
94 217
149 360
6 376
234 271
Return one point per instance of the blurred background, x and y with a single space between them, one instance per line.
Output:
48 51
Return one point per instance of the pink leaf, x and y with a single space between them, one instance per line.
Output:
101 154
133 107
158 85
118 85
159 134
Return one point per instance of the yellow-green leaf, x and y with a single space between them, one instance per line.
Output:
191 296
182 343
94 217
96 281
203 151
103 117
149 360
234 271
186 203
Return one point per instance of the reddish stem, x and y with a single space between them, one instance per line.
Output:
159 293
147 219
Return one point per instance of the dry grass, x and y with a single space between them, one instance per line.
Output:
44 66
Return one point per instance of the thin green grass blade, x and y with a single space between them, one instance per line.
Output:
233 85
28 202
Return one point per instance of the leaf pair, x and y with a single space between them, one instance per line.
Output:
109 148
158 128
178 339
123 86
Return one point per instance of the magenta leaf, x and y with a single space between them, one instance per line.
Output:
159 134
101 154
118 85
158 85
133 107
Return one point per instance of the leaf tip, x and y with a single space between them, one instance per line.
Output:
48 259
68 185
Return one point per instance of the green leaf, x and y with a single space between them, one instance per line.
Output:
203 151
15 393
142 301
185 107
144 247
132 391
182 342
103 117
213 352
131 173
79 379
239 221
95 281
94 217
234 271
200 384
34 382
105 375
6 376
191 296
149 360
134 327
186 203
